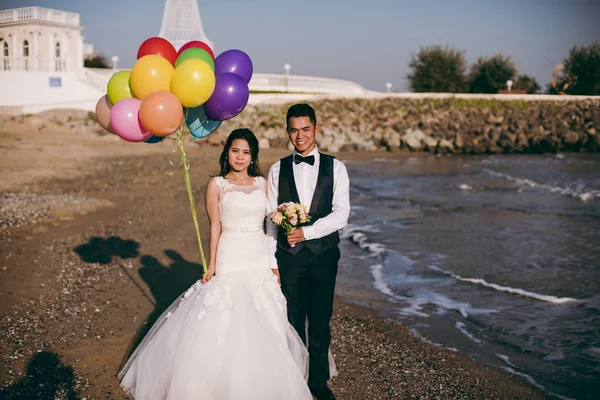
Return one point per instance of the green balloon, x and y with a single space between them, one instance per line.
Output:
118 87
198 53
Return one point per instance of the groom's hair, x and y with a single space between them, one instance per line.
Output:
300 110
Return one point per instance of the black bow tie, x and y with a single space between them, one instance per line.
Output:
308 159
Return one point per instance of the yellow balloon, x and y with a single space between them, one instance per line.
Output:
193 82
149 74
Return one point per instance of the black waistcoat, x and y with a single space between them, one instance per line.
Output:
320 207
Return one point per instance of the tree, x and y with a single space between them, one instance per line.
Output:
583 64
527 83
96 61
550 89
437 69
489 75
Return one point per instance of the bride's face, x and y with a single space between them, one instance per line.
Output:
239 155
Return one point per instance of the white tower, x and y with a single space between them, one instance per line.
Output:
181 23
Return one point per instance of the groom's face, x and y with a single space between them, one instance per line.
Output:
302 134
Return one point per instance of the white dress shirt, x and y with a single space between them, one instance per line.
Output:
305 177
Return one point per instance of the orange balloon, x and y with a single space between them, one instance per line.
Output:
149 74
161 113
103 107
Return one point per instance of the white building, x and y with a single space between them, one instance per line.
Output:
40 39
41 61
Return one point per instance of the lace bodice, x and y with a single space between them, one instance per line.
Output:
242 206
242 245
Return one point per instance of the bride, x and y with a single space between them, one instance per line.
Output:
228 336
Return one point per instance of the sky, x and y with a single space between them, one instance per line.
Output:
369 41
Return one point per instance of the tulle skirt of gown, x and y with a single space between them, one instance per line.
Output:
227 339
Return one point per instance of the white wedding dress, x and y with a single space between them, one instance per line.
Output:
228 338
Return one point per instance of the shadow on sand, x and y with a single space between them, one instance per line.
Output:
166 283
47 378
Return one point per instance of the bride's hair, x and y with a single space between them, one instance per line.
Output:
248 136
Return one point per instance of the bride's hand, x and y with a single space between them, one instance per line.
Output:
276 273
210 272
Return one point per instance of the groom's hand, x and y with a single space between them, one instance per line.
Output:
295 236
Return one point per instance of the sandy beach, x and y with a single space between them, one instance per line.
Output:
97 239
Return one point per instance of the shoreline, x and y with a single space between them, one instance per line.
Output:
383 359
103 240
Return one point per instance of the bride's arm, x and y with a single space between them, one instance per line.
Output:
271 233
212 210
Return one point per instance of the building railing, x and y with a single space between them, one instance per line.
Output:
38 14
34 64
259 83
298 83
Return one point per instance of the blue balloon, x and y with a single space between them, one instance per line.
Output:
199 124
155 139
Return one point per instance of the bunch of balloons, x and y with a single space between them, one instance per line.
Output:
167 88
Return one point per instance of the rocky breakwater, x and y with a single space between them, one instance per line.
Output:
467 126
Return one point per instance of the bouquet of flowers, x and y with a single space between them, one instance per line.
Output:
290 215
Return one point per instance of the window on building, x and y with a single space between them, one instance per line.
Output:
58 67
5 59
26 55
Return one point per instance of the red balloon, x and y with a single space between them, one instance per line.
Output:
198 44
160 47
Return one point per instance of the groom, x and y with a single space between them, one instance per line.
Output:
307 257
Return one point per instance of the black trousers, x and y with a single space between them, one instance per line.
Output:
308 284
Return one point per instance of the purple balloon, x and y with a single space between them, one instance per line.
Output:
229 98
236 62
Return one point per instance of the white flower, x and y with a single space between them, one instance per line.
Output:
277 218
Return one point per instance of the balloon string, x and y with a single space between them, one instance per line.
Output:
186 165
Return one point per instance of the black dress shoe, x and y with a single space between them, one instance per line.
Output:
321 392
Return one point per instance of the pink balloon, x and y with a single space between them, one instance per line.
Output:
125 120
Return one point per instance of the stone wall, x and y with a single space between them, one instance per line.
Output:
469 126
